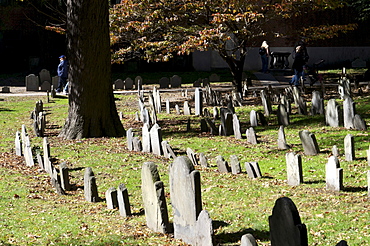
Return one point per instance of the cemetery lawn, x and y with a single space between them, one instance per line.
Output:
32 213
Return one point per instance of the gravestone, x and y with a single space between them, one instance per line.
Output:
236 127
129 84
27 151
55 81
358 63
166 154
168 108
359 123
198 101
119 84
235 165
335 151
348 112
282 144
145 135
191 224
206 82
253 169
203 125
294 169
317 103
164 83
262 119
129 139
64 176
123 201
226 122
170 151
203 160
46 154
212 126
45 86
32 82
302 106
368 156
344 87
332 114
214 78
175 81
282 115
192 156
111 198
222 165
157 100
90 188
137 144
177 108
253 118
18 144
40 161
285 224
156 139
309 142
139 83
334 174
187 110
155 205
5 89
248 240
216 113
251 136
266 102
349 147
44 75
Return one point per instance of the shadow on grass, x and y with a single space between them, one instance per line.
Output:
235 237
354 189
314 182
6 109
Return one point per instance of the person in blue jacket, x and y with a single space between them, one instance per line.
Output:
299 62
62 74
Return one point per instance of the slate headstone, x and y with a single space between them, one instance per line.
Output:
203 160
32 82
253 170
235 164
309 142
349 147
123 201
333 113
334 174
198 101
156 139
111 198
248 240
237 127
253 118
175 81
251 136
222 165
64 176
164 82
119 84
359 123
282 144
282 115
90 188
294 168
129 84
348 112
317 103
145 135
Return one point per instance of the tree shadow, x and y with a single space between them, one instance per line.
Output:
354 189
314 182
6 109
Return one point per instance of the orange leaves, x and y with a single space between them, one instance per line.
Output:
327 31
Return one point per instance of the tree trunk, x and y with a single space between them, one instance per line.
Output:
236 69
92 109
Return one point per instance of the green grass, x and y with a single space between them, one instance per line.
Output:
32 213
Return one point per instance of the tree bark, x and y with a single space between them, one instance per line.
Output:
92 109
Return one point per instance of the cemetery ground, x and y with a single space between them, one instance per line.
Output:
32 213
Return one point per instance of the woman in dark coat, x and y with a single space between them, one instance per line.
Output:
299 62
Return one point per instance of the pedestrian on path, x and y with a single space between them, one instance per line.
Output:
297 66
264 52
62 73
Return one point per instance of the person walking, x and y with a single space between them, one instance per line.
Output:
297 66
264 52
62 73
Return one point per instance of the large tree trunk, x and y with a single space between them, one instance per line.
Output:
236 69
92 110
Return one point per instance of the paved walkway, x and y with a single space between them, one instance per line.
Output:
267 79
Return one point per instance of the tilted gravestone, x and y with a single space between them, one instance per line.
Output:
349 148
309 142
334 174
266 102
333 114
235 165
285 224
359 123
90 188
190 223
111 198
226 122
294 168
253 118
282 144
155 205
237 127
64 176
222 165
348 112
156 139
192 156
123 201
168 108
253 169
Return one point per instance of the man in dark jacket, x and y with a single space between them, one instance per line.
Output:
62 73
299 62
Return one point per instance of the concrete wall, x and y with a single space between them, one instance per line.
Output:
335 57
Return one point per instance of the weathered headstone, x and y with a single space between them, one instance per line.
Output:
166 154
348 112
253 118
248 240
32 83
45 86
203 125
175 81
177 108
164 82
156 139
214 78
251 136
344 87
192 156
168 108
187 110
282 115
237 127
334 174
170 151
222 165
44 75
226 122
349 147
136 142
253 170
309 142
129 84
155 206
123 201
119 84
64 176
90 188
145 135
111 198
317 103
332 114
294 168
198 101
139 83
266 102
285 224
18 144
282 144
235 165
335 151
359 123
129 139
203 160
